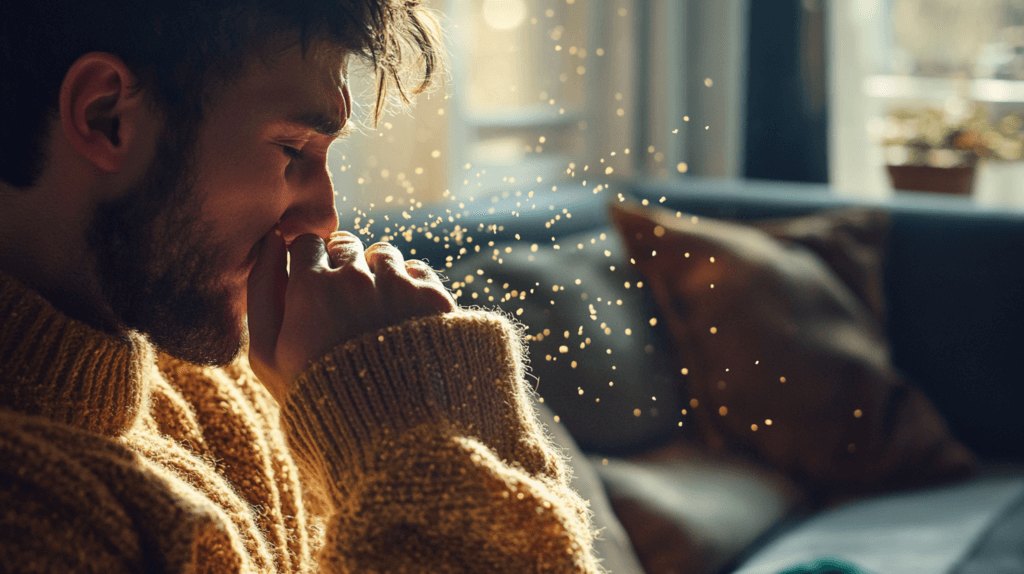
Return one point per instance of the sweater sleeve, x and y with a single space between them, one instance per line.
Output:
423 439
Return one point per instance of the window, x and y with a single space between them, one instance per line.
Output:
917 69
562 90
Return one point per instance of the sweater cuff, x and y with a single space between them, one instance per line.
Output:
461 371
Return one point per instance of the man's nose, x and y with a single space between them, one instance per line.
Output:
312 209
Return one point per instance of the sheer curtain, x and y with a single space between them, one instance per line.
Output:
562 90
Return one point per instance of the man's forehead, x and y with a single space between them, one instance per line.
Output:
305 89
326 122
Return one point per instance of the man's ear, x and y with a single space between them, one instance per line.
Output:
101 112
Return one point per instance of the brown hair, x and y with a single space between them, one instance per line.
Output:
181 50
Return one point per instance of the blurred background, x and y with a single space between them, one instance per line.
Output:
866 96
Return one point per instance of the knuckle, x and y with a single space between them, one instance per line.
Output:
342 252
419 267
384 247
436 299
356 278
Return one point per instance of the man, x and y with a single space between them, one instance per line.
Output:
164 207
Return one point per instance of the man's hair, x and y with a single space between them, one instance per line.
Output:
182 50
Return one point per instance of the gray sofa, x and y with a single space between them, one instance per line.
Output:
954 290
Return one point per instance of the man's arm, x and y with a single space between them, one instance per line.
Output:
420 434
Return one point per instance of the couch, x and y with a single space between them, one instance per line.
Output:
953 286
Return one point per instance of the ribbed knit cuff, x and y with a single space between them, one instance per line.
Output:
461 372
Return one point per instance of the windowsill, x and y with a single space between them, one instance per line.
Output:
938 90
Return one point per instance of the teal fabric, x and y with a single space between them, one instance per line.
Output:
825 566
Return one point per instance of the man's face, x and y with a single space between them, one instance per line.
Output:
177 268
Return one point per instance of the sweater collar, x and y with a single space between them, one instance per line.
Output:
64 370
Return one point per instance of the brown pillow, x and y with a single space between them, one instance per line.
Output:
779 332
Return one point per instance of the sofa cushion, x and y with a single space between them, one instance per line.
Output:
940 530
612 545
784 359
689 511
616 393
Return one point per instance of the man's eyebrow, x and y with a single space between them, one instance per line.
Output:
331 125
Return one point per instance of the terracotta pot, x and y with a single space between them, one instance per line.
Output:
955 180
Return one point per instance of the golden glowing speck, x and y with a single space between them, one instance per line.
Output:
858 413
722 411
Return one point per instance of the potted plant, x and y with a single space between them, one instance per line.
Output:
926 150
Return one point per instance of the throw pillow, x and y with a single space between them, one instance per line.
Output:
779 333
596 359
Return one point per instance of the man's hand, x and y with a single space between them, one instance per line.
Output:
335 292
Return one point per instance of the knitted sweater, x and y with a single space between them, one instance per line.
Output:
414 449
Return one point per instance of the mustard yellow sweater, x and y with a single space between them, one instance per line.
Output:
414 449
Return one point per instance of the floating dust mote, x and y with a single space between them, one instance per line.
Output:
398 216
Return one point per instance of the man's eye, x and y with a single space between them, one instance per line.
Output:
292 152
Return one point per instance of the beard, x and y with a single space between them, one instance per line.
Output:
157 268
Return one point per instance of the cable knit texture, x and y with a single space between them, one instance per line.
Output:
413 449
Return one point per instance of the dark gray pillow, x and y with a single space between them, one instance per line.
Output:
643 406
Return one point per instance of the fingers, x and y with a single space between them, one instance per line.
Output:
308 253
412 286
267 286
419 270
345 249
385 259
